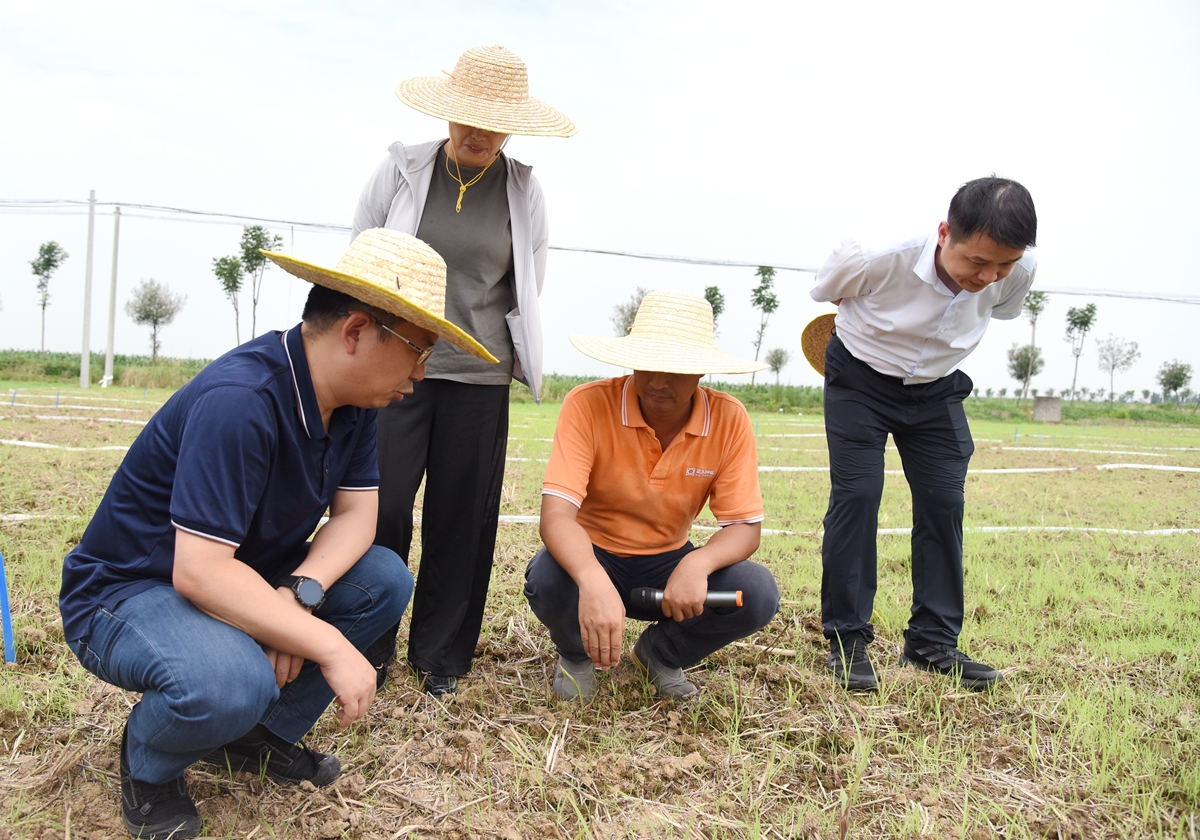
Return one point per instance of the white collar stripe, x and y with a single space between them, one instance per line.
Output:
296 386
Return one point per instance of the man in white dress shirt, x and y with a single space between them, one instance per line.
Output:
908 314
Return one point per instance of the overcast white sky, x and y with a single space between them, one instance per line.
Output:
764 132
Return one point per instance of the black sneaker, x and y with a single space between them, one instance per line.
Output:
436 685
261 751
381 675
949 660
156 812
850 664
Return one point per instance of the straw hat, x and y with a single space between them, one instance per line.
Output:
394 272
672 332
488 89
815 338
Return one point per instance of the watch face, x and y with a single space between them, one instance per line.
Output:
310 592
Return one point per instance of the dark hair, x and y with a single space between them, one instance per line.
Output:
996 207
324 306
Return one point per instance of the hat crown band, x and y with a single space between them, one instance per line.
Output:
491 73
382 259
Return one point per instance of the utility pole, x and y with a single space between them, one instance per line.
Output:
112 304
85 357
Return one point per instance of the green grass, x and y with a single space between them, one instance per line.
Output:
1092 734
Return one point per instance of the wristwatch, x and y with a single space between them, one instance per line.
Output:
308 591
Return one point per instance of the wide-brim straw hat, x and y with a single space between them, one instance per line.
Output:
394 272
488 89
672 332
815 339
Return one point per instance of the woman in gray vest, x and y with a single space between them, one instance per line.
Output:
484 213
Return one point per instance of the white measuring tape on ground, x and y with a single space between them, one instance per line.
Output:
512 519
898 532
1089 451
1162 467
33 444
969 472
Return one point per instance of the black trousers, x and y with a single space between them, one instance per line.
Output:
930 429
554 598
454 435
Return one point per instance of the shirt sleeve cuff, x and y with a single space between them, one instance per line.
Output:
559 494
207 532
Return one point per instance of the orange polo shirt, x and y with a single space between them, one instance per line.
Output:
635 499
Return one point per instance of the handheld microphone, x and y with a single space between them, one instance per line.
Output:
645 598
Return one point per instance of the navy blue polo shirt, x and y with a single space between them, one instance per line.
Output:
238 455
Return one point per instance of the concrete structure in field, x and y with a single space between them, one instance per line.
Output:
1047 409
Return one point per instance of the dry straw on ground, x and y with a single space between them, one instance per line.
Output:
1091 736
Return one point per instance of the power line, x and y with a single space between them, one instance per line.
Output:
74 207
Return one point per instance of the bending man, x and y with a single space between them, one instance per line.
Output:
908 314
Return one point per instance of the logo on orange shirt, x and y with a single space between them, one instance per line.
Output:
700 473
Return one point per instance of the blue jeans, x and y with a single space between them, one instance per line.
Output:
554 598
205 683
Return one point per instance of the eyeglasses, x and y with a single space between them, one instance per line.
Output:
423 353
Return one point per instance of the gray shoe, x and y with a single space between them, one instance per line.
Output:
668 682
575 680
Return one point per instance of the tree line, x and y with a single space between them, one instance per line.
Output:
1113 354
151 304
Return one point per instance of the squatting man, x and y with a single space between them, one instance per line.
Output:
194 583
634 460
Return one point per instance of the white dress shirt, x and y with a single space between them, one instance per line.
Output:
898 317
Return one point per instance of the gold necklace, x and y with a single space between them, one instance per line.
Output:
462 188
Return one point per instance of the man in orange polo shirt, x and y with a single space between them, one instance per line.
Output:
634 461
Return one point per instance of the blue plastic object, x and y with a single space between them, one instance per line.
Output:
10 645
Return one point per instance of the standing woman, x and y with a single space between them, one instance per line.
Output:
484 213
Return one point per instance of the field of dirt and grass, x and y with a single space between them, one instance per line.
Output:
1083 583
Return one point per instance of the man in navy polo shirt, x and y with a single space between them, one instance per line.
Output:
195 583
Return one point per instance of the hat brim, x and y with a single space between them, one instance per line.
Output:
372 295
433 95
639 353
815 339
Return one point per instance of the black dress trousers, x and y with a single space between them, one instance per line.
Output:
930 429
455 436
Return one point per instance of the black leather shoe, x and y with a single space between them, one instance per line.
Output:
156 812
381 675
435 685
850 664
261 751
949 660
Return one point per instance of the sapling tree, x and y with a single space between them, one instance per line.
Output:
50 257
716 300
229 274
764 299
152 305
624 313
1116 354
777 359
1173 376
1080 321
1035 303
255 240
1024 363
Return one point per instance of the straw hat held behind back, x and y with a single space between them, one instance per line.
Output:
488 89
673 333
